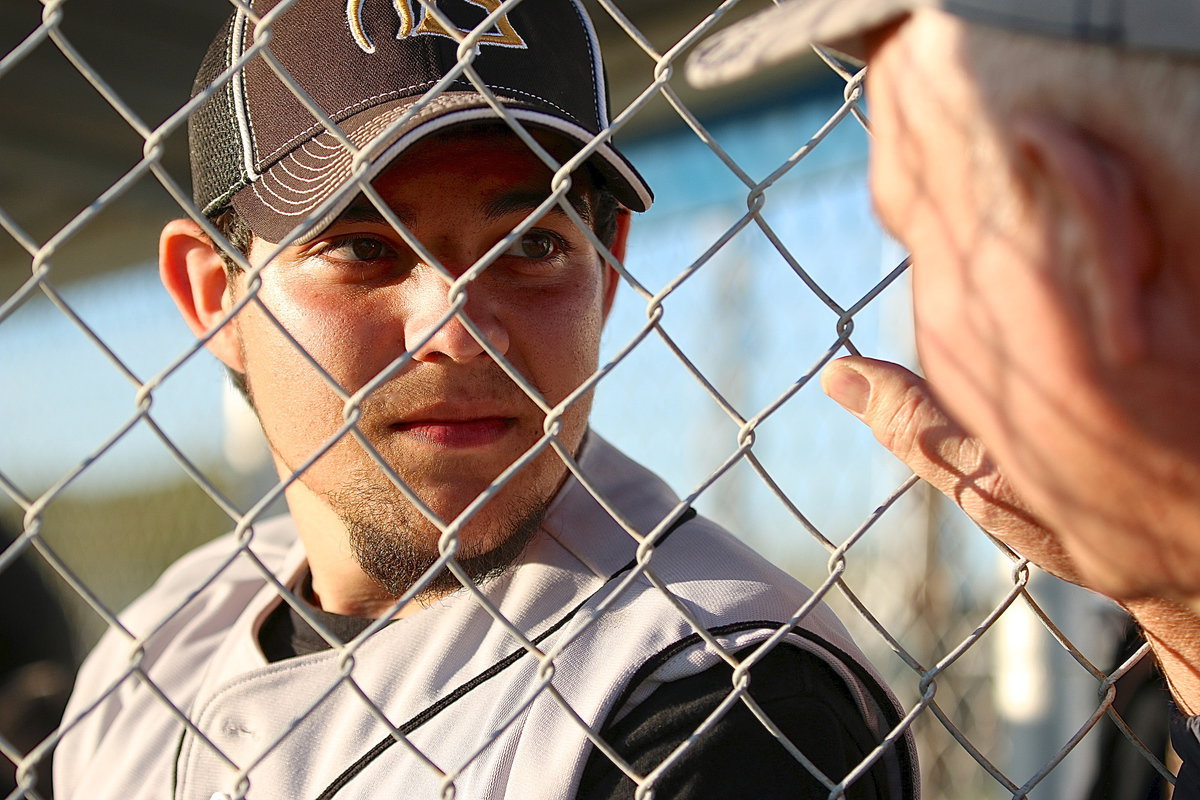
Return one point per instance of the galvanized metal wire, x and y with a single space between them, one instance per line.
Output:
966 755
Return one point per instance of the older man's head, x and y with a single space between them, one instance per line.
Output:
1037 159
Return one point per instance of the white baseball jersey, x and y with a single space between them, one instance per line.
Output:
447 695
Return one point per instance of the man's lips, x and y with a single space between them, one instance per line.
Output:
458 432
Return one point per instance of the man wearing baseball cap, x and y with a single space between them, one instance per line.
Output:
1038 158
473 595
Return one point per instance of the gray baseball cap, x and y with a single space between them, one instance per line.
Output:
785 30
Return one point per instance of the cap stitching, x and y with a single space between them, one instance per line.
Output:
373 128
334 152
332 174
319 172
304 205
304 200
324 172
317 129
361 104
316 141
539 98
334 148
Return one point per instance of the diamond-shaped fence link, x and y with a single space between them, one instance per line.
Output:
759 264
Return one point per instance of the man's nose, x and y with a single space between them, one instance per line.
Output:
433 334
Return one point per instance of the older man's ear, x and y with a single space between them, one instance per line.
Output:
1100 230
194 274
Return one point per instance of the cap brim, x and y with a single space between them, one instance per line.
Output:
788 29
783 31
303 188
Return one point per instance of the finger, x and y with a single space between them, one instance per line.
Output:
901 411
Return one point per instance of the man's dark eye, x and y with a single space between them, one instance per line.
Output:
359 248
533 245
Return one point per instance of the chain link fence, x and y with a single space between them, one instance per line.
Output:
1012 683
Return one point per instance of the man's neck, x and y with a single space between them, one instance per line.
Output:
373 605
339 584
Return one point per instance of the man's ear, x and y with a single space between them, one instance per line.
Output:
194 274
1092 193
617 248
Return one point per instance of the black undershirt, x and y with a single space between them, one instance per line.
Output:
737 758
285 634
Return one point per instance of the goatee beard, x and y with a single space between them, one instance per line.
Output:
395 545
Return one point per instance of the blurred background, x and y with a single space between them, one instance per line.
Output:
98 500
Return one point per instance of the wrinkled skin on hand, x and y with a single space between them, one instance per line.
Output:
906 418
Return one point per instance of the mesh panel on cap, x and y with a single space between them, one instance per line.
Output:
215 144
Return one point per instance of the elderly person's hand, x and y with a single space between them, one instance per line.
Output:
905 417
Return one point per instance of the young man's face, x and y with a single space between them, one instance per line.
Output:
450 421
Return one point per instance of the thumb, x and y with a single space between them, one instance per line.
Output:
901 411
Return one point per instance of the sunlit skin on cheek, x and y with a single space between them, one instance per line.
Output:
449 421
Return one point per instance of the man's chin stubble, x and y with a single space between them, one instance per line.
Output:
395 545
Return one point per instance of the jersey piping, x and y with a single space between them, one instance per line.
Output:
441 705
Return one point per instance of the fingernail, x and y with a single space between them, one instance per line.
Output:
849 389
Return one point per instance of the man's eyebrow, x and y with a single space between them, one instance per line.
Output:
362 210
525 200
514 202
